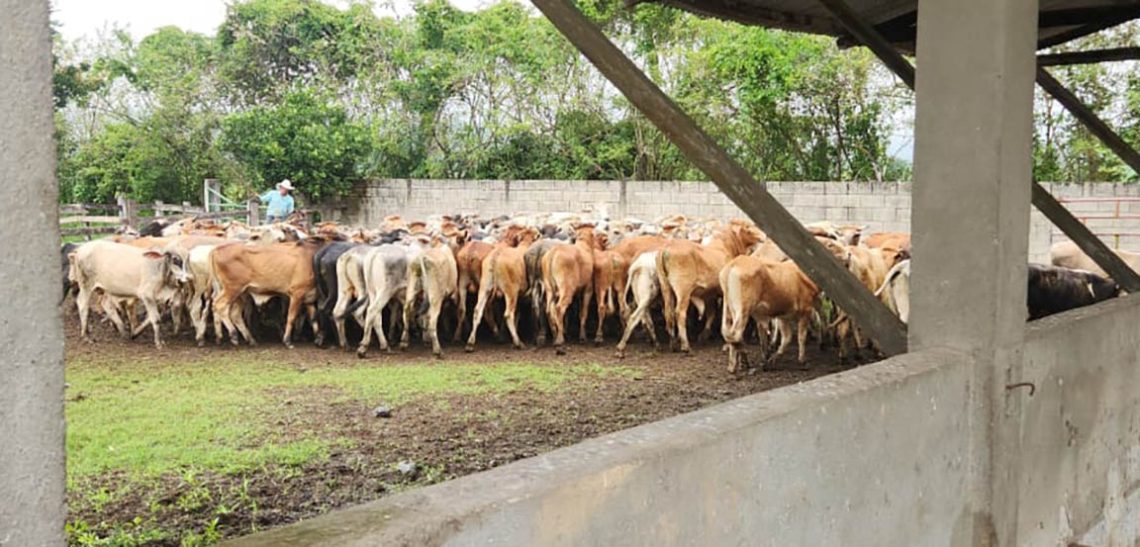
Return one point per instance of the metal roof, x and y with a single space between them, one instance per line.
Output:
1059 20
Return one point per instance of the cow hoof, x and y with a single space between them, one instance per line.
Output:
404 346
290 346
201 343
361 353
438 355
598 342
469 348
620 354
560 350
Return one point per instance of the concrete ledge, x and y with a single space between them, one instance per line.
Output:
1080 432
804 464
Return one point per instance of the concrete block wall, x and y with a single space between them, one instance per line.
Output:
1112 211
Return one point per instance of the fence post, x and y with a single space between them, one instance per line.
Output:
128 211
253 208
211 200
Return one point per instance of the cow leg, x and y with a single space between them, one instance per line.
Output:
373 320
603 310
395 319
558 320
344 297
461 300
801 338
668 307
587 298
315 323
152 317
681 317
841 331
634 319
178 309
409 315
112 313
82 305
290 318
435 307
537 300
784 328
510 315
237 316
485 290
198 318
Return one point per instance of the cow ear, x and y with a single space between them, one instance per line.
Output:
153 255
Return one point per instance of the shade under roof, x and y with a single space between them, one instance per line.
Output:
1059 20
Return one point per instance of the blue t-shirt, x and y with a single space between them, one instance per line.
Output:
279 205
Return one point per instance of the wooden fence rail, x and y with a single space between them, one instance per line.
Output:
86 220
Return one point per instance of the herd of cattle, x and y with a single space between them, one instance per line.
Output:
548 268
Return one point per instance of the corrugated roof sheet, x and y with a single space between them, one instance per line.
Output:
1060 20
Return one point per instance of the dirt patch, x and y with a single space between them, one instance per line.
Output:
435 437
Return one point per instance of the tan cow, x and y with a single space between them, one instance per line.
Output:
764 290
504 273
264 271
1068 255
125 272
870 266
431 275
610 271
689 272
567 271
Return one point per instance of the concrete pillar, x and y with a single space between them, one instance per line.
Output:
31 332
971 201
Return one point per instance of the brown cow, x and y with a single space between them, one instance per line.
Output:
630 247
690 272
469 266
568 270
763 290
263 271
610 272
504 272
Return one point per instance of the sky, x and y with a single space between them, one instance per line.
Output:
86 18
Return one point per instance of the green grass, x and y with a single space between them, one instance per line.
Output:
145 418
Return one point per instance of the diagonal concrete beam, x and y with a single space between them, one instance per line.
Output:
732 179
1042 199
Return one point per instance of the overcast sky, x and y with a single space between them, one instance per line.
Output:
79 18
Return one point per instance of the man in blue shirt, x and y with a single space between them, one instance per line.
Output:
280 202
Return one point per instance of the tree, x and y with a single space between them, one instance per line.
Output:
306 138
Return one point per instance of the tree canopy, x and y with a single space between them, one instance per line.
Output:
327 96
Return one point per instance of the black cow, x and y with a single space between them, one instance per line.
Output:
324 270
65 250
1054 290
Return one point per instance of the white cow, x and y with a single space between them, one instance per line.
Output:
123 272
642 282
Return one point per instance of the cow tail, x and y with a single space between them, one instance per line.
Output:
421 287
358 284
322 291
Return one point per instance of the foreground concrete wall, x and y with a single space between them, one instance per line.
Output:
31 332
876 456
880 206
1080 431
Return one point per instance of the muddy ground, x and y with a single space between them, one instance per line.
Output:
445 436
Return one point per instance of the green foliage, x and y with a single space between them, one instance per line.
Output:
305 138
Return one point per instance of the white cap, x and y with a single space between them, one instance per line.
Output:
286 185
